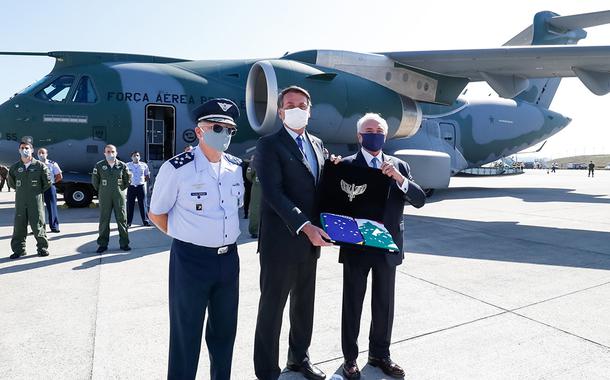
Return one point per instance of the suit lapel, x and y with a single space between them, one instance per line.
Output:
294 148
360 160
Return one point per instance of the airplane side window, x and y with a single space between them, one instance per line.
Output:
57 90
85 92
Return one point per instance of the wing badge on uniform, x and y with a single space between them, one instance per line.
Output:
352 190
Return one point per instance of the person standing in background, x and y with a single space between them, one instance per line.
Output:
30 178
3 177
50 196
110 178
140 175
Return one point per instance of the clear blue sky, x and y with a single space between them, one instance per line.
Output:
251 29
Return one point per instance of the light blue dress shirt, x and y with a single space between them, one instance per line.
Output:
53 169
202 207
138 172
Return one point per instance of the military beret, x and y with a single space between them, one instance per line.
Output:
219 110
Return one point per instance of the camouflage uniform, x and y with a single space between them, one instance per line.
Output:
30 184
110 183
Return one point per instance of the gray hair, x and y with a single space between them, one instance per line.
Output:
372 116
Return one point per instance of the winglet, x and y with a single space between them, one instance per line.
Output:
551 29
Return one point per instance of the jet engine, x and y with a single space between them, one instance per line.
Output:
339 99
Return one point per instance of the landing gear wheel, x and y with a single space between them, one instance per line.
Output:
78 195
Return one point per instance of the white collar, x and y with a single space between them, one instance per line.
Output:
368 157
293 134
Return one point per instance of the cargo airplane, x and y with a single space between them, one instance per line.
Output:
139 102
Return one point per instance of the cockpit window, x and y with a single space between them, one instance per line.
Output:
57 90
34 85
85 92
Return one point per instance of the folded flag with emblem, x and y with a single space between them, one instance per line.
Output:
345 230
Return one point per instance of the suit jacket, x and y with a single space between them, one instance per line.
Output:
288 196
393 215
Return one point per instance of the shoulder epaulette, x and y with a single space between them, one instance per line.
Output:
182 159
232 159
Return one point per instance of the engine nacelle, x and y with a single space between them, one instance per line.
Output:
339 100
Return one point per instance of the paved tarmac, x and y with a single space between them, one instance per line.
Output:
504 278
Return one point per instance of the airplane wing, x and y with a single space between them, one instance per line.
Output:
507 69
563 23
73 58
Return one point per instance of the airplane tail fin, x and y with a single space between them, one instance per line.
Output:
549 28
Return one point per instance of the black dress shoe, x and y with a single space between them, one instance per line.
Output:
17 255
308 370
43 252
387 366
55 230
101 249
146 224
350 369
126 248
254 236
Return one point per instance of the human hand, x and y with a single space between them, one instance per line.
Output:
316 235
388 169
335 159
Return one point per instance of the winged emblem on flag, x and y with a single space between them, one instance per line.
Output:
352 190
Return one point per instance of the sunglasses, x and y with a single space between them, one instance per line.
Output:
219 128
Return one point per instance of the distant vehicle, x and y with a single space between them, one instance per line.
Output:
576 165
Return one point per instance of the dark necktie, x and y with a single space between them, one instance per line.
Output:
300 143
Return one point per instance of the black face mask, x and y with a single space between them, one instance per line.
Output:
373 141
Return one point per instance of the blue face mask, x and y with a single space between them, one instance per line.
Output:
373 141
218 141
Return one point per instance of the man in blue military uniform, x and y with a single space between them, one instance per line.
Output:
50 196
195 200
140 174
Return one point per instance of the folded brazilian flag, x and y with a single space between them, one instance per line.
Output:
365 232
352 201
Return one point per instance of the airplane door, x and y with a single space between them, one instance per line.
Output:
160 139
447 131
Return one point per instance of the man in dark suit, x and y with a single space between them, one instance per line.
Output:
288 164
372 131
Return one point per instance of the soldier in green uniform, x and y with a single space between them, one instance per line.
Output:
30 178
110 178
255 200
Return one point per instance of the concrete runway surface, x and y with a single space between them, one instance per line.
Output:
504 278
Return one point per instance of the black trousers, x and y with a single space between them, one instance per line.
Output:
277 281
133 193
200 279
355 275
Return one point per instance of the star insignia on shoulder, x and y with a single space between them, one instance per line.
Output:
232 159
182 159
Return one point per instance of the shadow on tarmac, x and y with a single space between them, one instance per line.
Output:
507 241
144 236
527 194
